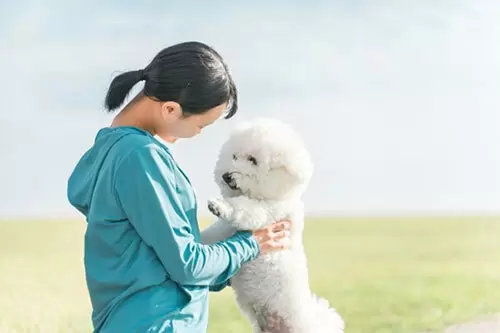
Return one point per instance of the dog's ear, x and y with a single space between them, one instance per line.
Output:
301 169
296 163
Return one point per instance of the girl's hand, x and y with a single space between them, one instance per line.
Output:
273 237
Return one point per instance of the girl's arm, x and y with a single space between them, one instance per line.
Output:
217 231
146 188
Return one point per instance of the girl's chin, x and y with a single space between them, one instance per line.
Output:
169 139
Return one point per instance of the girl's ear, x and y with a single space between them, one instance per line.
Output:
171 111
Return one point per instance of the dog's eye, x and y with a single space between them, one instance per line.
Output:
235 157
252 160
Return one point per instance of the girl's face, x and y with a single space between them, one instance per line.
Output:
171 124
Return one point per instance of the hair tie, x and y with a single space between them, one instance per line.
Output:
142 74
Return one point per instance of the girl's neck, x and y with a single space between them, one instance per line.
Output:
137 113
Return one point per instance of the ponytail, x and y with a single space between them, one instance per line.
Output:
120 88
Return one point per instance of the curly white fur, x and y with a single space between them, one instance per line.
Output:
262 171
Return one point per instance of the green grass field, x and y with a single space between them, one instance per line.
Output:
389 275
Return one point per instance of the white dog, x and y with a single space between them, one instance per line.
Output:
262 171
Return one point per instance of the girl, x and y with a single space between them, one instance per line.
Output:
145 267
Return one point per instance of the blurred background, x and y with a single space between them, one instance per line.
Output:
398 102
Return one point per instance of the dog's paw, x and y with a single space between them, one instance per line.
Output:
220 208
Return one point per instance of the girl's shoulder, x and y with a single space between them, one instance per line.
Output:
140 145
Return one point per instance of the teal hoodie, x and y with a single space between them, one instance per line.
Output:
145 268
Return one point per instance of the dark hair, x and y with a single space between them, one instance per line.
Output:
191 74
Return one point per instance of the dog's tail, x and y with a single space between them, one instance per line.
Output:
327 318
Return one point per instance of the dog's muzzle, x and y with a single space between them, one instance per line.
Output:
227 177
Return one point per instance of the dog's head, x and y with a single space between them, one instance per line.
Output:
263 159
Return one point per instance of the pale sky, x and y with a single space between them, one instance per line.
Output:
398 101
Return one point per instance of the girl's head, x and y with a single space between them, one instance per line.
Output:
188 86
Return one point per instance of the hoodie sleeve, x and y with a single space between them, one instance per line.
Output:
146 189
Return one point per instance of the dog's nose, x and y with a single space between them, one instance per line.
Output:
227 177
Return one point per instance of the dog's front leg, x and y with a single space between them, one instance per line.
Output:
241 212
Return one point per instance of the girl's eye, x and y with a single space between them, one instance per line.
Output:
252 160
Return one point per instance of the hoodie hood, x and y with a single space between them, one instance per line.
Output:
83 179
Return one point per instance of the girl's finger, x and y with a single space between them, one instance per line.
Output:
282 234
279 226
279 245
